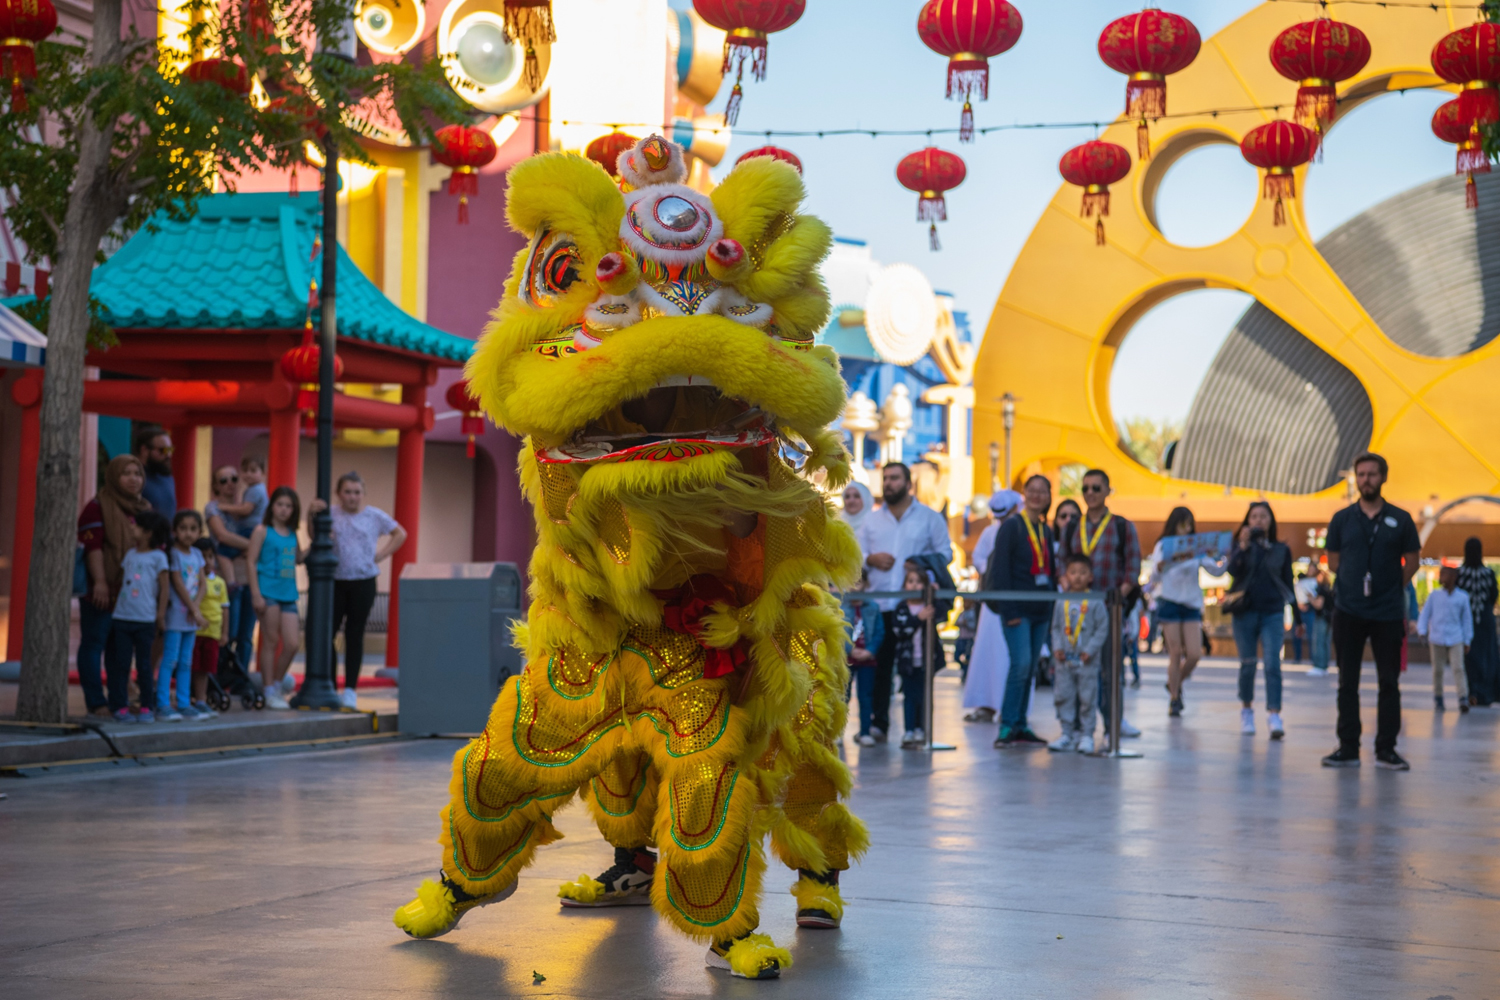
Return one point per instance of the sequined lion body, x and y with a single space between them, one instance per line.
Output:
685 670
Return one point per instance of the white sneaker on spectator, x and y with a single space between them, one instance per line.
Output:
349 699
288 685
1318 672
866 740
1247 721
907 738
275 700
168 714
1086 744
918 737
1127 730
878 734
1273 723
1063 744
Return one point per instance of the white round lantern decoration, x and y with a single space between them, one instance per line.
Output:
901 314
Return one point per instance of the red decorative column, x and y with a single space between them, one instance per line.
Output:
27 393
281 457
410 452
185 463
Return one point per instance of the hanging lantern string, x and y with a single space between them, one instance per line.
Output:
1382 3
875 133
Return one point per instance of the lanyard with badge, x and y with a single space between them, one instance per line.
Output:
1074 630
1036 535
1084 542
1369 537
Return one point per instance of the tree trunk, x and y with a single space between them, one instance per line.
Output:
93 204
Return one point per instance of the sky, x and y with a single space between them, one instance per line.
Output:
860 64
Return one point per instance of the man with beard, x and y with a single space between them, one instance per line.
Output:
899 529
153 446
1374 549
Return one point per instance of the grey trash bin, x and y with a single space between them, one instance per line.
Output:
455 644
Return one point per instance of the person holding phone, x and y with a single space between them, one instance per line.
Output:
1261 568
1179 601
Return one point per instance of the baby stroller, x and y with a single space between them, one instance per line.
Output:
231 682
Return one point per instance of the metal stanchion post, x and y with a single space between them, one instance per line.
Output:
1116 675
929 656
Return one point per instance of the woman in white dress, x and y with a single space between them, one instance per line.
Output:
989 663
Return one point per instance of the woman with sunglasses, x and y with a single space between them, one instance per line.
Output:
1261 568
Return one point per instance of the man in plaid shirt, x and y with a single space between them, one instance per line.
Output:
1114 548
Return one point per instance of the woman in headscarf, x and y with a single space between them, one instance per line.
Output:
858 502
989 662
104 535
1482 662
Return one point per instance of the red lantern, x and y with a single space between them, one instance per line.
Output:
748 23
1094 166
1319 54
1279 148
930 172
530 23
460 399
227 73
775 153
302 365
1148 47
969 33
23 23
1470 57
1448 125
465 149
606 151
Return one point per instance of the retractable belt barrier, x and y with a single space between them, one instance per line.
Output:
930 595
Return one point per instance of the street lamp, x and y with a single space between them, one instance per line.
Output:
318 691
1008 412
994 467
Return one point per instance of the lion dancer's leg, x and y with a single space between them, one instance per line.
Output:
506 786
622 800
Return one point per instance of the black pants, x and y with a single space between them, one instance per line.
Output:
352 601
885 669
1349 635
127 641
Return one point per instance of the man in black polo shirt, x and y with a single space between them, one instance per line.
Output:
1022 560
1374 549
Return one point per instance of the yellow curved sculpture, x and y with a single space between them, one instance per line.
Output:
1067 304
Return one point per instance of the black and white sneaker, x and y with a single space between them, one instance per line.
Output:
626 883
1390 760
1342 758
819 904
753 956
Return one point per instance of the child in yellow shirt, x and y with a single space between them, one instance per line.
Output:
215 631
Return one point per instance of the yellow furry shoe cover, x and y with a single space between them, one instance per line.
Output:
754 956
439 906
627 883
819 904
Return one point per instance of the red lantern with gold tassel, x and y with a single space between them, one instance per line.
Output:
227 73
1470 57
465 149
1449 125
969 33
1279 148
23 23
460 399
748 22
775 153
930 172
530 23
1318 55
302 365
1094 166
1148 47
606 151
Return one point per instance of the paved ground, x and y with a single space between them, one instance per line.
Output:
1217 866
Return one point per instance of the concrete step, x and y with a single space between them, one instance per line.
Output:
23 744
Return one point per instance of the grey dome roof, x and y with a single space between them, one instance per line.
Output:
1275 412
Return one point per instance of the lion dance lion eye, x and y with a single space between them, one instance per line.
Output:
552 268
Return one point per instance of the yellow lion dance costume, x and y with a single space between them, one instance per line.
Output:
685 662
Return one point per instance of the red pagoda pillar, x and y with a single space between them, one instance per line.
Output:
410 452
27 393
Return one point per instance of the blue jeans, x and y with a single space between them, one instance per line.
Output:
914 699
176 660
1318 636
1268 628
93 639
127 640
1024 641
862 682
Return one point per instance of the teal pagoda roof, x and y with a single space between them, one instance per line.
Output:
243 261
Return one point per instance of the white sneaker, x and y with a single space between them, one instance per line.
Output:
918 737
349 699
1247 721
866 740
275 700
906 738
1273 723
1063 744
1317 672
288 684
1086 744
1127 730
877 734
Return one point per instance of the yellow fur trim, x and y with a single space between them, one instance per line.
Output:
584 889
754 195
750 954
430 914
812 895
787 263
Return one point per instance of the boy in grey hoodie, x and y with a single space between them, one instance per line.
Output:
1080 628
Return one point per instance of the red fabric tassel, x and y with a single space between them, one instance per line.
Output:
1471 192
966 123
530 22
463 211
1280 187
932 238
932 209
1095 203
471 446
1146 98
732 108
1143 140
968 77
1471 159
463 181
1099 239
1317 106
17 95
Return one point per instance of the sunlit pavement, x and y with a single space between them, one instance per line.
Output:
1219 865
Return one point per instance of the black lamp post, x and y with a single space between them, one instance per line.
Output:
318 691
